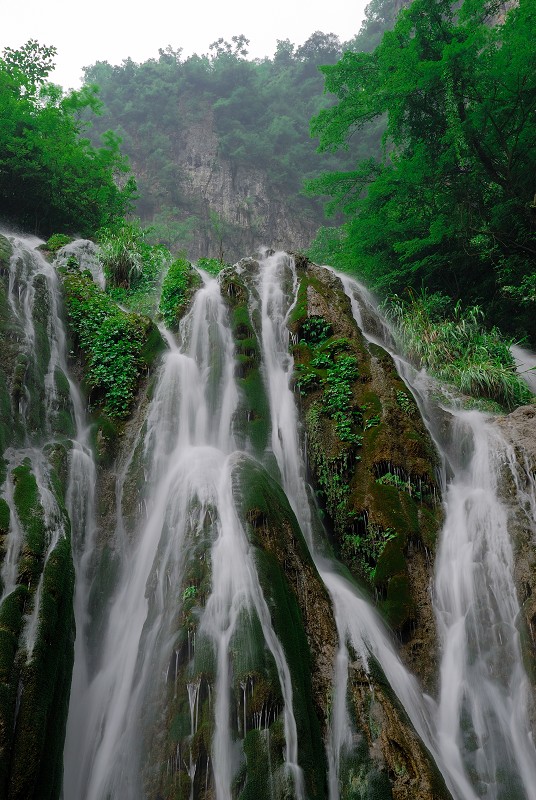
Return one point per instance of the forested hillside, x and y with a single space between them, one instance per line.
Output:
220 144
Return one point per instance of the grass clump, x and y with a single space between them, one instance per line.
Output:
133 268
211 265
57 241
457 348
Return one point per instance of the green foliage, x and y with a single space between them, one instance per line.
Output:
458 349
133 267
211 265
334 371
177 288
120 253
392 479
368 547
451 202
259 111
51 176
56 241
315 330
111 340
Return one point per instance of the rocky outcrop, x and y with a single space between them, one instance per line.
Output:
518 489
371 459
239 209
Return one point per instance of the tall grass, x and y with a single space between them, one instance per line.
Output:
456 347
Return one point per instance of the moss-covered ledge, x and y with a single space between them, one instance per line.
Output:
371 461
115 350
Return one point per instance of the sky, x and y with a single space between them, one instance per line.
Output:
113 30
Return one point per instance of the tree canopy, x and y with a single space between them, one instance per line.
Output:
51 177
451 202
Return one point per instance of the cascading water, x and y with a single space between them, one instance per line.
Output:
188 592
482 721
356 621
47 489
189 455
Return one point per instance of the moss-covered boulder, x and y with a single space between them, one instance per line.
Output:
253 418
116 350
178 288
371 459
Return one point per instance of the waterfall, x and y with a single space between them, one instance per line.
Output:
356 620
182 675
48 489
189 454
482 719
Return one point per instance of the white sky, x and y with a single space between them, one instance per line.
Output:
112 30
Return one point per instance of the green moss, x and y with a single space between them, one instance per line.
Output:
4 517
6 251
398 606
11 620
30 514
391 560
271 523
36 769
262 758
253 419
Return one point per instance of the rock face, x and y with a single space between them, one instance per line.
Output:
373 467
518 487
371 459
250 212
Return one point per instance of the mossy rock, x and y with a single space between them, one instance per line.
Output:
385 434
4 517
296 599
36 761
30 514
6 251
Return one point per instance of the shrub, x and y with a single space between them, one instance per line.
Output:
56 241
458 349
111 340
177 288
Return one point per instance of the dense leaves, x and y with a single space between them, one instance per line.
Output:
111 340
51 177
180 282
451 203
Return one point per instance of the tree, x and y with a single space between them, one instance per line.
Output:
450 201
51 177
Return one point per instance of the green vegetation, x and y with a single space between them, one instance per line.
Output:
211 265
56 241
133 268
450 204
331 368
51 177
458 349
368 547
118 346
177 289
258 113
